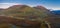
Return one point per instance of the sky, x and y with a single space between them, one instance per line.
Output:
49 4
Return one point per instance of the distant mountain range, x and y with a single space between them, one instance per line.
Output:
56 12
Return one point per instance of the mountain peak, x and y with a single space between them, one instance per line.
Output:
14 6
17 6
40 7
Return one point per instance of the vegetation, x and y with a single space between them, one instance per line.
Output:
24 17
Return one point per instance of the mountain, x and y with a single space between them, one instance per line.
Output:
41 8
32 15
16 6
25 12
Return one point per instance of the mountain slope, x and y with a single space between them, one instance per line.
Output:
33 17
24 12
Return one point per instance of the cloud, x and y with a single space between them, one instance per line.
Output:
6 5
52 7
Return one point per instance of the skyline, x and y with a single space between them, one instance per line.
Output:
50 4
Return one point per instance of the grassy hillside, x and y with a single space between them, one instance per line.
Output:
33 18
25 12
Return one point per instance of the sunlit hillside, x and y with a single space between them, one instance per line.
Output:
32 16
24 11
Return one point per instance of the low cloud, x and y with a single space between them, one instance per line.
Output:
6 5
